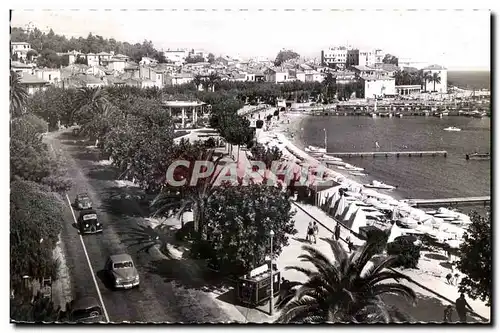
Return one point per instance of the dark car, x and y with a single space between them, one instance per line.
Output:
88 222
122 272
82 201
86 310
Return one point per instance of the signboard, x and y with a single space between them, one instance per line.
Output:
90 217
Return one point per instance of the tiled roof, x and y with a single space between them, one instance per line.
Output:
376 77
27 78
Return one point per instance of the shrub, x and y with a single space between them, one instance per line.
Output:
408 253
210 143
259 123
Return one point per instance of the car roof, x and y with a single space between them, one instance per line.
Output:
87 211
80 195
85 303
120 257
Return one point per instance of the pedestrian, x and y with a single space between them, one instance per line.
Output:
460 305
310 231
337 232
349 243
448 311
449 278
455 279
315 232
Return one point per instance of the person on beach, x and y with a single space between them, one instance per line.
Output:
310 232
460 305
315 231
337 232
455 279
349 244
449 278
448 311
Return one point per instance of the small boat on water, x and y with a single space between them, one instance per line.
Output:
331 158
452 129
379 185
332 162
353 168
313 149
478 156
355 173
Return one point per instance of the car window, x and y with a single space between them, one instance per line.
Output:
86 313
125 264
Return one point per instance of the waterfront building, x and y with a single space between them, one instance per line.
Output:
376 86
442 85
411 89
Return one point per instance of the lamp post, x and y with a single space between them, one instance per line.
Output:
271 300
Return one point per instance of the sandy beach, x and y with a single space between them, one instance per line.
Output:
433 266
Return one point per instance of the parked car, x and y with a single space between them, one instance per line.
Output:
86 310
88 222
82 201
122 272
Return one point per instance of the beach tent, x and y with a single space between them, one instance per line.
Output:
333 205
358 219
349 211
341 207
395 233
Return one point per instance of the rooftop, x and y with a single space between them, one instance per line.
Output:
435 67
27 78
120 257
18 64
182 103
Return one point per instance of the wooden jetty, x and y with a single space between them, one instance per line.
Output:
485 201
392 153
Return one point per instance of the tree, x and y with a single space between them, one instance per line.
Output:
435 78
35 224
211 58
426 77
407 253
344 290
194 59
266 155
54 105
476 259
81 60
239 218
18 95
40 310
31 55
284 56
390 59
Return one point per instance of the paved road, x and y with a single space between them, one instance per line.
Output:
160 298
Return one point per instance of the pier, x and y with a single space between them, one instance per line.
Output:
392 153
485 201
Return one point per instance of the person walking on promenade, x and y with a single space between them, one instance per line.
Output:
315 231
455 279
460 305
337 232
310 232
449 278
448 311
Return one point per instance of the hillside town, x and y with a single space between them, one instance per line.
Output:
374 70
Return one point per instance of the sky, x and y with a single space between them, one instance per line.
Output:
458 40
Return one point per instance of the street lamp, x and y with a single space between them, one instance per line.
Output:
271 301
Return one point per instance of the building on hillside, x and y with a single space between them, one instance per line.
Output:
276 75
344 77
352 58
186 113
378 86
92 59
440 86
379 57
32 83
97 71
152 75
116 64
146 61
19 67
178 79
73 56
111 80
20 49
389 69
85 80
104 57
334 57
51 75
366 58
178 55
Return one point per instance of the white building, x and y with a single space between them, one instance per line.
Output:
146 61
20 49
366 58
51 75
276 75
334 57
92 59
176 55
378 86
442 74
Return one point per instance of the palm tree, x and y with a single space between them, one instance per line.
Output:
426 77
436 79
213 79
197 80
190 196
87 99
18 95
345 290
330 84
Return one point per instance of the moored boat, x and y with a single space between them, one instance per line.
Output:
379 185
478 156
452 129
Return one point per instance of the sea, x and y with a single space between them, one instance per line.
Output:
470 79
425 177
